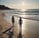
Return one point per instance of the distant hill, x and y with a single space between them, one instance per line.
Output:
3 7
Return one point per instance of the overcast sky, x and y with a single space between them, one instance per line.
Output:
21 4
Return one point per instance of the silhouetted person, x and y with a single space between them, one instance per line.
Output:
10 34
13 22
12 19
20 21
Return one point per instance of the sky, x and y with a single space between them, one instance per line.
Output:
21 4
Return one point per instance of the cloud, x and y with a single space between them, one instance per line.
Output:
19 1
21 6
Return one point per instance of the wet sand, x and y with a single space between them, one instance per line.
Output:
30 28
5 25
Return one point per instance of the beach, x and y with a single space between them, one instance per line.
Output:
30 28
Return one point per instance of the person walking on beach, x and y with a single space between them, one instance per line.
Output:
20 22
13 19
13 22
20 33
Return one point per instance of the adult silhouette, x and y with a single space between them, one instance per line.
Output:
12 19
20 22
20 32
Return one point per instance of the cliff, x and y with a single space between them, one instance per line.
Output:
2 7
